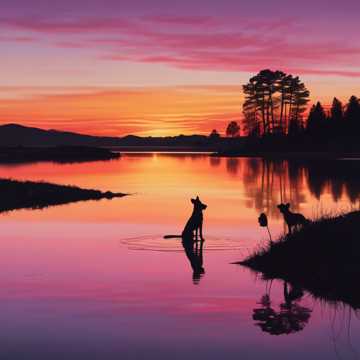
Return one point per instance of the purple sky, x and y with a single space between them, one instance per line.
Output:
83 44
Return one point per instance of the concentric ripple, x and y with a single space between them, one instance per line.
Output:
158 243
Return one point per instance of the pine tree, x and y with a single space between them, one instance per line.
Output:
352 116
316 123
336 116
300 100
272 100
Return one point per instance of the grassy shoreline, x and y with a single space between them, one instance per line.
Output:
17 195
323 258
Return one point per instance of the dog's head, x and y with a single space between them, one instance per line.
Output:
284 207
198 205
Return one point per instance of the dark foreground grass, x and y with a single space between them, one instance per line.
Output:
16 195
323 258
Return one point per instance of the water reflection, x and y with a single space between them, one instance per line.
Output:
269 182
194 253
47 282
232 166
215 161
290 318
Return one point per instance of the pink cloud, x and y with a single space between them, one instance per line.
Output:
203 42
184 20
68 26
19 39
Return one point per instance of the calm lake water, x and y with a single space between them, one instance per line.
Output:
96 280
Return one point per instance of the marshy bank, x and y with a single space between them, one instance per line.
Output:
38 195
59 154
322 258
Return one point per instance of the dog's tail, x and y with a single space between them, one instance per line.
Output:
172 237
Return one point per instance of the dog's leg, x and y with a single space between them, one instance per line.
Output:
289 228
196 234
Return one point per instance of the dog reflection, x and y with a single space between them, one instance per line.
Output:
290 318
194 253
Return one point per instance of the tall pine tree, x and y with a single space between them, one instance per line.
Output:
352 116
316 124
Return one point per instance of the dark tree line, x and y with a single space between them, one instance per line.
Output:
340 121
276 116
232 131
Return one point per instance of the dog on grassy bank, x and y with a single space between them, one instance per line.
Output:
292 220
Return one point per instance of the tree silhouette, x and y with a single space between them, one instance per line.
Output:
336 116
253 108
352 116
251 124
298 103
273 100
284 82
336 111
233 129
214 135
316 121
295 127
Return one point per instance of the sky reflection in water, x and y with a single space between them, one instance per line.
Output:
75 284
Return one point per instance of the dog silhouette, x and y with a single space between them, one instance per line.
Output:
292 220
194 224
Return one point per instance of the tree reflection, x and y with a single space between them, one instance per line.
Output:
215 161
341 176
232 165
270 182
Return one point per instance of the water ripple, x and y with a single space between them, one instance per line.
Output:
158 243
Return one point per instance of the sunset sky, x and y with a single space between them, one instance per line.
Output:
161 67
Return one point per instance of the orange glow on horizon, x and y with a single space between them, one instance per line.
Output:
143 111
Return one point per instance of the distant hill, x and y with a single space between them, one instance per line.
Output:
18 135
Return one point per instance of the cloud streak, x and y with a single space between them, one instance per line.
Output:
82 46
201 43
163 111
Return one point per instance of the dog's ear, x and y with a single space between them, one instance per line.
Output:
197 198
288 205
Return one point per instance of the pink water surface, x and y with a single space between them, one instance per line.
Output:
95 280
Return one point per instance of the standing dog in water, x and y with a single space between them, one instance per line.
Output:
292 219
194 224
